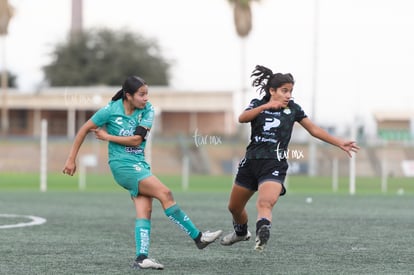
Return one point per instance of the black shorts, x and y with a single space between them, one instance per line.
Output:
252 172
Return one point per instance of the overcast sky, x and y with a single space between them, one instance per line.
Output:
365 48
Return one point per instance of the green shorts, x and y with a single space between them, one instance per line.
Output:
128 175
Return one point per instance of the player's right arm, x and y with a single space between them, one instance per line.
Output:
134 140
250 114
70 165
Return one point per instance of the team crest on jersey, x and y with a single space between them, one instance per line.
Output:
287 111
139 117
131 123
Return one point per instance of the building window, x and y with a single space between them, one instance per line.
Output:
18 119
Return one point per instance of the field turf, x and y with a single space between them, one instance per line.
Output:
92 231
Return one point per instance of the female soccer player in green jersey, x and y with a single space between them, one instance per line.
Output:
126 120
264 165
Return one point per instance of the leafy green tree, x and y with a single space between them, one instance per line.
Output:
106 57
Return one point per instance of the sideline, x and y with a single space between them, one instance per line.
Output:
34 221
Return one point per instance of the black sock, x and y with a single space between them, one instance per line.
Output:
240 229
141 257
261 222
198 238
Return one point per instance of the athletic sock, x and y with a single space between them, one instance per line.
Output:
142 237
141 257
261 222
240 229
176 215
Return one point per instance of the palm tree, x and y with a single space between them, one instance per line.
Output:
242 16
243 23
6 13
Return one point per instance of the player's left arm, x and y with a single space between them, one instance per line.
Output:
347 145
135 140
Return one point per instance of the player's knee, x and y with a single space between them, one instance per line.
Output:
233 209
166 196
265 204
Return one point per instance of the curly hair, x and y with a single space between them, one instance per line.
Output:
266 79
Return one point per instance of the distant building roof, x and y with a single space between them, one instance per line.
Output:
92 98
394 115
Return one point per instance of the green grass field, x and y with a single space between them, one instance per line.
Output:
301 184
91 232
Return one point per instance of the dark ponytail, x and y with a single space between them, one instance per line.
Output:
265 79
118 95
130 86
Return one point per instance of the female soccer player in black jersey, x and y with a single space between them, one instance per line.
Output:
264 166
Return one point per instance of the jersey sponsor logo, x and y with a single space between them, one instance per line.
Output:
273 113
271 122
275 173
133 150
126 132
287 111
263 139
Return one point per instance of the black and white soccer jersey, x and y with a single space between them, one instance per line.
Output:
271 130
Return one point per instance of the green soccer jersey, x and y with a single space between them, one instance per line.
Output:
117 123
271 131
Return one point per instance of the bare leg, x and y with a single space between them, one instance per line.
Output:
269 193
154 188
143 207
239 197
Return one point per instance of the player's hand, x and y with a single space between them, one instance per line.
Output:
274 104
349 146
70 168
100 133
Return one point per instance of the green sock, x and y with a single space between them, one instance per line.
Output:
175 214
142 236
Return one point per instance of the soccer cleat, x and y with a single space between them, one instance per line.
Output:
147 264
232 238
262 237
208 238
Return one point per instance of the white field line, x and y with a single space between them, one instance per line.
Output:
33 221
